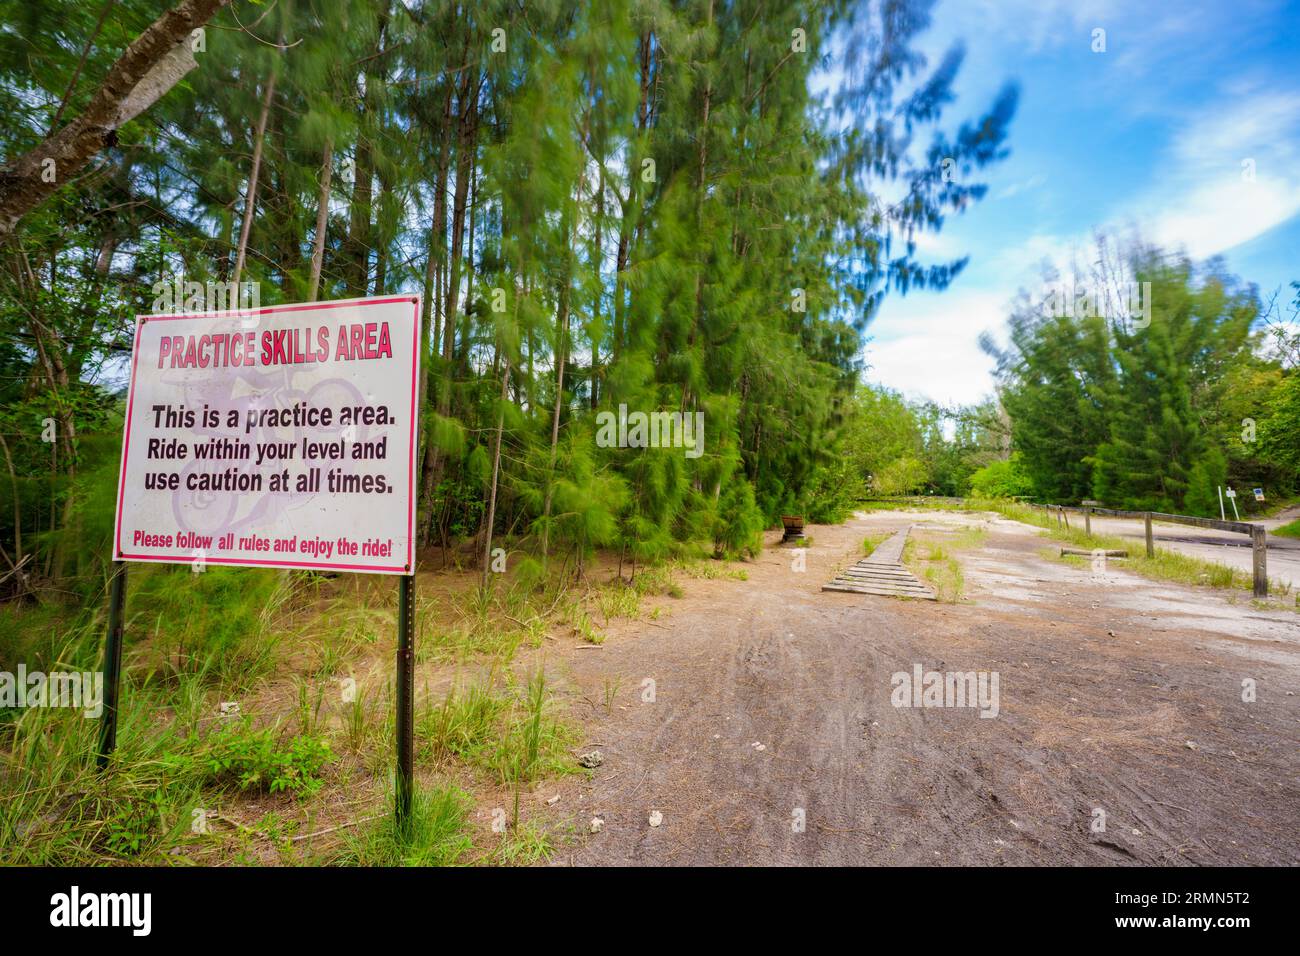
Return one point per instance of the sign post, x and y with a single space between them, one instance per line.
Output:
405 699
112 663
278 437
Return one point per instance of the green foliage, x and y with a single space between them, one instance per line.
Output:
1204 480
902 476
1279 432
561 279
175 605
738 529
514 737
1150 414
258 761
1002 479
133 826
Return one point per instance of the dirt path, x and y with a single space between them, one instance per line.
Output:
771 697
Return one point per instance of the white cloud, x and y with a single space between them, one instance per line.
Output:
927 345
1233 174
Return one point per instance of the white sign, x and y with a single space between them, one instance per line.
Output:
1230 493
281 437
1259 494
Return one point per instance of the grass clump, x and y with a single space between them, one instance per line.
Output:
871 542
511 734
1291 530
437 833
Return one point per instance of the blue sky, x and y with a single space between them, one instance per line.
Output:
1146 138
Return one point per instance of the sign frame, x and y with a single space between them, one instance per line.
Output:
399 566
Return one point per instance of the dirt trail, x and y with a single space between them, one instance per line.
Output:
771 697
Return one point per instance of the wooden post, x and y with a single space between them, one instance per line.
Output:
1259 554
1087 521
1151 541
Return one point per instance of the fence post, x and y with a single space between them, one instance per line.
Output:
1087 521
1259 555
1151 541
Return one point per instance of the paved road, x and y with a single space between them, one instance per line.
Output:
1222 547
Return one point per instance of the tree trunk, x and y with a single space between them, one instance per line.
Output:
149 67
465 152
322 221
430 318
491 516
250 197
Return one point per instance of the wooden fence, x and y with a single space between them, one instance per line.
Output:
1258 547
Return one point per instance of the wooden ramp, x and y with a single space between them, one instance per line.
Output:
883 573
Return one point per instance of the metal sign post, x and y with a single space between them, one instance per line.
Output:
112 663
405 698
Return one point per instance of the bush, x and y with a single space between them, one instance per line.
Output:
901 477
1002 479
257 761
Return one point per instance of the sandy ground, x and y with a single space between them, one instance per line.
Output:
756 717
1222 547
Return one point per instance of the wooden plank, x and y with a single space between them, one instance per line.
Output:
881 573
883 582
859 589
885 585
890 551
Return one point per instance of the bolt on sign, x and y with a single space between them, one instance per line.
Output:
280 437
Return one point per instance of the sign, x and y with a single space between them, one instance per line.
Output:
280 437
1230 493
1259 494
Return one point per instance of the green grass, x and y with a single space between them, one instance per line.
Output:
872 541
512 734
174 608
58 810
283 646
709 570
911 504
437 833
929 560
1291 530
525 844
